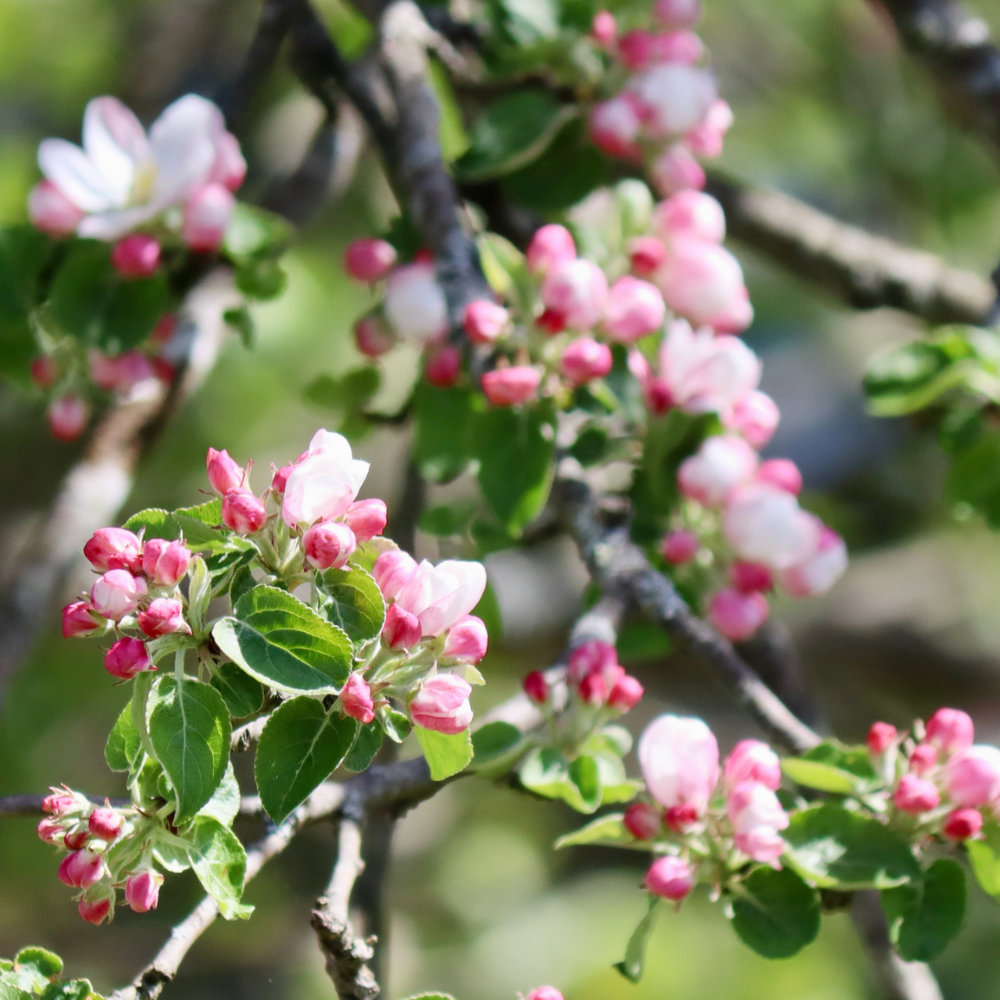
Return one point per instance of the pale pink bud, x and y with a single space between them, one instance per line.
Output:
443 367
951 729
329 544
356 699
373 336
738 616
670 878
752 760
690 213
700 280
126 658
756 816
544 993
51 211
636 49
915 795
604 29
223 472
576 290
366 518
820 569
243 512
81 869
44 371
679 547
591 657
77 620
881 736
746 577
94 911
634 308
206 216
369 260
972 776
677 13
392 571
764 524
679 47
511 386
625 693
467 640
142 891
585 359
484 321
67 417
551 245
136 256
963 824
615 125
414 304
164 616
756 417
780 472
679 758
442 704
114 548
646 254
536 687
117 593
923 758
642 820
675 170
401 629
707 138
105 823
229 168
676 95
49 830
165 562
722 464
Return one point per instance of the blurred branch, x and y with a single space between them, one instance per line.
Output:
272 25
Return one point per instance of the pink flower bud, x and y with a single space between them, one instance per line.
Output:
690 213
442 704
373 336
117 593
81 869
679 758
356 699
44 371
329 544
700 280
604 29
614 126
766 525
392 571
51 211
722 464
467 640
634 309
679 547
923 758
229 168
676 169
680 47
637 49
681 818
707 138
105 823
223 472
738 616
280 478
126 658
756 417
75 839
646 254
576 290
163 616
77 620
585 359
746 577
670 878
972 776
756 816
67 417
443 367
136 256
59 802
94 911
243 512
142 891
484 321
114 548
206 216
401 629
963 824
591 657
915 795
625 693
951 729
49 830
752 760
536 687
595 688
881 736
366 518
511 386
165 562
782 473
642 820
369 260
677 13
544 993
551 245
414 303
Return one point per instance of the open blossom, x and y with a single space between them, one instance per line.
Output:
323 484
819 569
676 97
442 704
766 525
575 291
720 465
679 758
438 596
756 816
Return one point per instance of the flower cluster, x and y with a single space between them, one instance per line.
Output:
105 850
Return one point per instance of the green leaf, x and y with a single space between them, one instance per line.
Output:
189 729
586 775
443 422
241 320
285 644
448 520
300 746
355 603
224 805
445 754
198 526
504 266
394 724
974 478
837 849
516 448
73 989
496 741
243 694
984 858
831 767
23 254
526 22
9 992
775 912
123 747
346 393
255 232
606 831
220 862
635 951
367 743
546 772
41 961
924 917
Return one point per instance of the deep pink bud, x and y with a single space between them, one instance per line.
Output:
756 816
114 548
467 640
59 802
163 616
401 629
223 472
670 878
44 371
679 547
625 693
681 818
747 577
881 736
117 593
782 473
585 359
126 658
366 518
75 839
511 386
443 367
392 571
373 336
142 891
636 49
105 822
81 869
51 211
972 776
915 795
962 824
356 699
77 620
738 616
951 729
442 704
206 216
544 993
329 544
642 820
94 911
677 13
49 830
67 417
550 245
165 562
604 29
536 687
484 321
369 259
591 657
923 758
280 478
136 256
243 512
752 760
646 253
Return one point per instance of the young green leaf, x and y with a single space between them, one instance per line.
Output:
924 917
244 694
220 862
443 421
355 603
606 831
123 747
366 744
445 754
775 912
496 741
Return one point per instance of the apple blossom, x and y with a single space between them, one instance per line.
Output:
881 736
757 817
165 561
670 878
634 308
951 729
117 593
679 758
551 245
915 795
484 321
243 512
324 482
441 595
126 658
690 213
223 472
467 640
373 336
764 524
163 616
585 359
511 386
329 544
414 303
81 868
642 820
392 570
442 704
78 620
114 548
142 891
722 464
94 911
972 776
963 824
536 687
737 615
206 217
575 291
752 760
369 259
356 699
366 518
443 366
679 547
67 417
105 823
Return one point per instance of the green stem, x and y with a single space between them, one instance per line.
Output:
141 685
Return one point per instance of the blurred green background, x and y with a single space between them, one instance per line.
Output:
826 109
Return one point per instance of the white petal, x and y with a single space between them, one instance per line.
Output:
182 142
68 167
115 223
115 142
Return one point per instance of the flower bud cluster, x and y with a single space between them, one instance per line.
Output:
85 834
